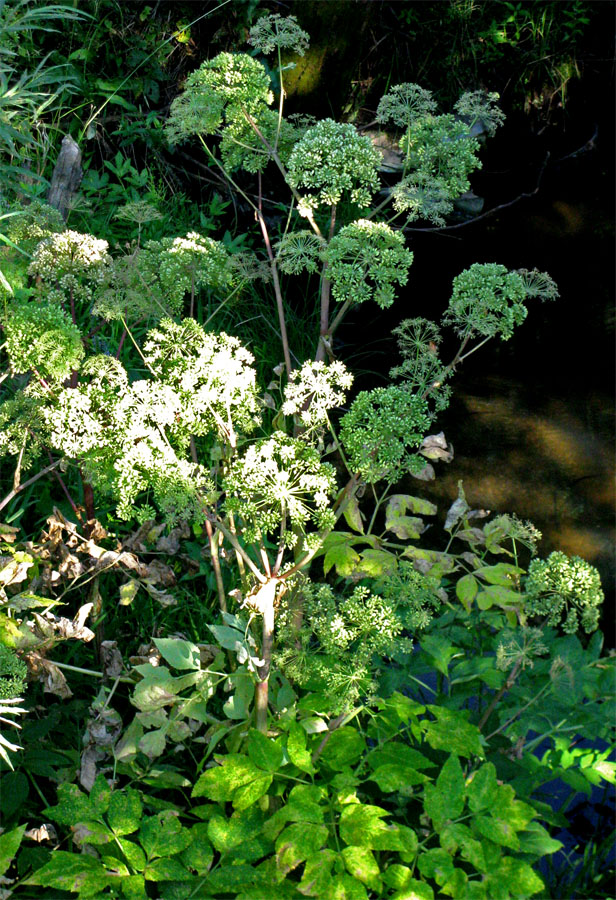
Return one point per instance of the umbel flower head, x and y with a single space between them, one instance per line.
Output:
564 586
275 32
70 263
481 107
41 338
315 389
333 160
404 104
221 88
365 260
299 251
442 147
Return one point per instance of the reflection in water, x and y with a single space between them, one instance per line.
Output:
548 460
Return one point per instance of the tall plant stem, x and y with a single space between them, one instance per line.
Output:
266 601
326 286
276 282
222 599
497 697
12 494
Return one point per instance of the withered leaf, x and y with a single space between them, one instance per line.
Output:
435 446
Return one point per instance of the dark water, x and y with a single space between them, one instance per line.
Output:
532 419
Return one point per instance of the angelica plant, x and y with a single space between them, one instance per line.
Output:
69 266
567 590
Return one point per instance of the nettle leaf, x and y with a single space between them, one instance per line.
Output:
317 878
9 845
179 653
125 811
452 732
297 843
482 788
362 865
264 752
445 800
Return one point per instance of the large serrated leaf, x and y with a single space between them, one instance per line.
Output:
9 845
125 811
179 653
264 752
297 843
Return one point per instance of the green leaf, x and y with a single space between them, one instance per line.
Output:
482 788
229 638
361 825
437 864
501 832
353 515
361 864
91 833
125 811
503 574
153 743
317 878
248 794
133 887
397 777
133 854
452 732
466 591
440 650
296 748
397 876
100 795
344 748
163 835
228 879
445 800
227 833
179 653
75 872
513 877
166 870
264 752
73 806
339 552
414 890
238 705
405 502
393 752
9 845
297 843
199 855
220 782
536 840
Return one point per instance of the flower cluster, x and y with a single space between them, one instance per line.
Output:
404 104
212 375
413 595
564 586
331 160
365 260
299 251
40 337
441 147
421 367
33 223
380 430
242 147
334 650
315 389
227 86
519 647
279 479
70 264
275 32
13 672
22 427
487 299
422 196
481 107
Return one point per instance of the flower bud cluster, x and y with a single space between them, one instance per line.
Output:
564 586
70 263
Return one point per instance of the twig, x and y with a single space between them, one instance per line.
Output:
10 496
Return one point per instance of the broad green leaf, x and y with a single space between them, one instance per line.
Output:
403 503
153 743
344 748
482 788
166 870
163 835
360 822
374 563
248 794
500 596
437 864
228 832
220 782
264 752
513 878
440 650
445 800
455 885
497 830
362 865
73 806
228 879
156 690
127 747
353 515
125 811
536 840
414 890
466 591
133 854
296 748
297 843
452 732
91 833
397 876
345 887
238 705
199 855
100 795
179 653
397 777
9 845
339 552
72 872
516 812
484 600
133 887
229 638
503 574
317 878
397 753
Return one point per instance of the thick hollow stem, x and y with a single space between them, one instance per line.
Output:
266 597
276 283
326 287
222 599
